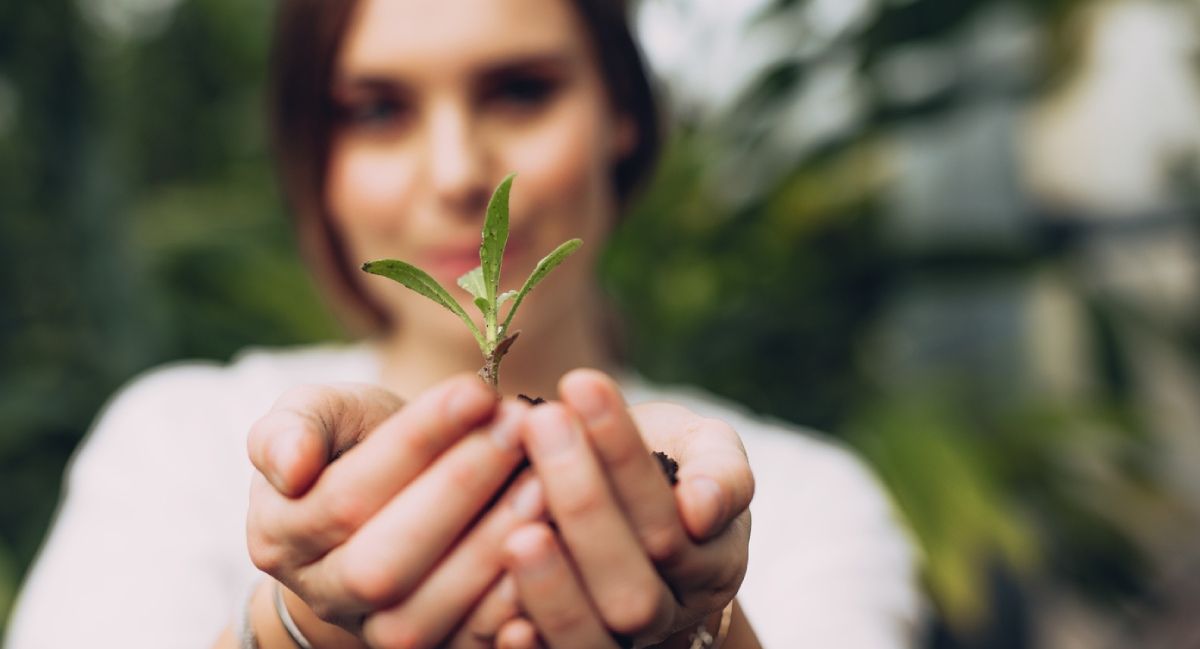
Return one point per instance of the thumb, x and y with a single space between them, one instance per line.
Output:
310 426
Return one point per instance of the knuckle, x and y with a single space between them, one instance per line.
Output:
463 473
331 610
564 621
419 441
631 611
583 503
663 543
727 578
343 512
746 477
266 556
366 582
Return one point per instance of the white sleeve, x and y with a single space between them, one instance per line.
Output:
139 554
829 564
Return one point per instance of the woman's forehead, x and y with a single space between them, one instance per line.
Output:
446 37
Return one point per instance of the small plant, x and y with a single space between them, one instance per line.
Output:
483 283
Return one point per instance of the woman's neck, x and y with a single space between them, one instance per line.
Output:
412 361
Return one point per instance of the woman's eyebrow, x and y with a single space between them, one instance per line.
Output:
375 83
382 82
536 63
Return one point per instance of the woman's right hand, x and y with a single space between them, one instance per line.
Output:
356 539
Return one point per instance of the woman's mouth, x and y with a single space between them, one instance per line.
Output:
447 264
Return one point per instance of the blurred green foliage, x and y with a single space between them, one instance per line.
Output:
140 224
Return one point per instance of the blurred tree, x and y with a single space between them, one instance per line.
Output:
850 243
140 223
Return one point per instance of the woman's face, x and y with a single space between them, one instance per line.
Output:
439 100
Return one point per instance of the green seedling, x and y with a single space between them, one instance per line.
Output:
483 283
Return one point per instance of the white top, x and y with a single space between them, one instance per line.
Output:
148 549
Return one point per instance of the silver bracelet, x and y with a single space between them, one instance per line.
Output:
285 618
700 638
244 626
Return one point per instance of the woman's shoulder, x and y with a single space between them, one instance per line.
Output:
255 372
196 405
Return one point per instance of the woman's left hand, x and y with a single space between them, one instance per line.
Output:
634 560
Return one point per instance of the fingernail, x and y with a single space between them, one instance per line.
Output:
553 435
528 502
707 496
590 404
506 429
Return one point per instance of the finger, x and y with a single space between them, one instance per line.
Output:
308 425
446 596
291 533
390 553
271 551
482 627
352 489
615 571
715 481
712 572
550 593
518 633
636 477
402 446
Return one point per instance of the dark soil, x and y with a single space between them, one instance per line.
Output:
669 466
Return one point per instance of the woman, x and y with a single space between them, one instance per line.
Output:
394 121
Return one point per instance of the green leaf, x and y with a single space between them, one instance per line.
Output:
504 297
420 282
543 268
482 303
495 237
472 282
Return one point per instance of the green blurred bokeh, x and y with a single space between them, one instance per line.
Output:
892 282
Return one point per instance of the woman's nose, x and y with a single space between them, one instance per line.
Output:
457 162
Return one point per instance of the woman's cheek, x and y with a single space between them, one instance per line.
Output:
562 166
368 188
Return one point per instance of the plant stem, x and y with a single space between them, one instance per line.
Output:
490 372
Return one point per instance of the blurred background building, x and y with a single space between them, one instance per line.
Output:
959 235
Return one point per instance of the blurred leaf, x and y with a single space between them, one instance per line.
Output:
495 236
950 497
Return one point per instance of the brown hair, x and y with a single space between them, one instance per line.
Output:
308 35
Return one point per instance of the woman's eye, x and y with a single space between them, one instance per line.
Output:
522 93
372 113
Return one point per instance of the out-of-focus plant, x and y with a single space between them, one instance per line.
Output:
999 477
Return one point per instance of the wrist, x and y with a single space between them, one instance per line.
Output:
709 633
269 629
